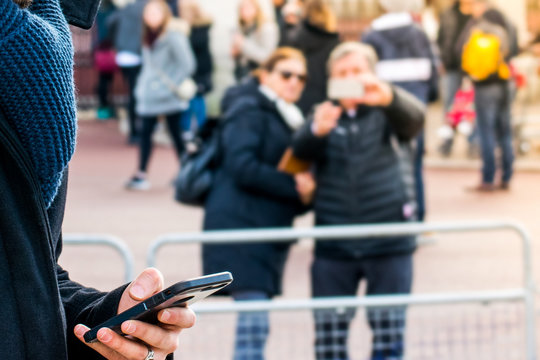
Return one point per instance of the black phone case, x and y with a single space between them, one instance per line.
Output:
80 13
180 294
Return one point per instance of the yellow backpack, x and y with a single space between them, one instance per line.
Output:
482 57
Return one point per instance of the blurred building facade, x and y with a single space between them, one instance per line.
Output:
354 16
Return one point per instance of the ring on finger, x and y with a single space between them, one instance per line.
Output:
150 355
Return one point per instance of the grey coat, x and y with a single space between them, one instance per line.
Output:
125 25
165 65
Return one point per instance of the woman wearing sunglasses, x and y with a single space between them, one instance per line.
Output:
250 192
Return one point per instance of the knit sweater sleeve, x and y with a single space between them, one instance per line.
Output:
36 86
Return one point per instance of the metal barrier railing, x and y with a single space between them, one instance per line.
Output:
524 294
109 241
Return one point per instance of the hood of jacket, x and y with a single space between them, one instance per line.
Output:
398 27
246 87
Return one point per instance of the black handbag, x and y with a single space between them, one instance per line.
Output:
196 175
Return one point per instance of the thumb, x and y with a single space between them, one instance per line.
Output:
149 282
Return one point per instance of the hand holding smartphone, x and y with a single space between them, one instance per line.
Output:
180 294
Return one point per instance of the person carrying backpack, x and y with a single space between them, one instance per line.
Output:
249 191
485 48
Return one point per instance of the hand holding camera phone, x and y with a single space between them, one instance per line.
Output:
180 294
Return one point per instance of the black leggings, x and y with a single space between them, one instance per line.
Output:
131 74
104 86
146 145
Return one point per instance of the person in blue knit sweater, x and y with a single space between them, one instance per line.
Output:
42 309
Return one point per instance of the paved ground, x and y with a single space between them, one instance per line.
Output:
98 203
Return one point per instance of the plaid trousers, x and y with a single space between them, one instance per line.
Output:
252 329
385 275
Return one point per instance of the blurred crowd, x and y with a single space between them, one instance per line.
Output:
314 123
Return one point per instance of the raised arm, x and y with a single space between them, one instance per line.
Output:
406 114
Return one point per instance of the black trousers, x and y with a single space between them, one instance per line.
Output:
104 85
385 275
146 145
130 74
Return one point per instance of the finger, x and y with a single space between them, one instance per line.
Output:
156 337
149 282
334 120
121 345
178 316
326 104
326 108
301 178
103 350
336 113
367 78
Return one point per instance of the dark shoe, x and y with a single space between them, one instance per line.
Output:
504 186
483 187
445 149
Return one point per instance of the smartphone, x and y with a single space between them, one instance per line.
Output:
80 13
345 89
180 294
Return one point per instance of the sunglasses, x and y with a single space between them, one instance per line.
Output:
287 75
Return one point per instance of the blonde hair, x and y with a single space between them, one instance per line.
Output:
260 18
319 14
351 47
198 16
280 54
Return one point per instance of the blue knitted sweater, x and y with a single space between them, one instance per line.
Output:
36 86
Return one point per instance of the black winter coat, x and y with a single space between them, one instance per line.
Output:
200 44
316 44
249 192
361 177
453 22
40 305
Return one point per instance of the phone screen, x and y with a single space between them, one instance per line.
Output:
180 294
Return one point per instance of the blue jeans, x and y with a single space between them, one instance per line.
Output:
252 328
419 176
197 109
493 119
451 83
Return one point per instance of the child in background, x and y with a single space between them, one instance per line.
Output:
461 115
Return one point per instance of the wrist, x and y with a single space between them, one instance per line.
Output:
388 95
315 130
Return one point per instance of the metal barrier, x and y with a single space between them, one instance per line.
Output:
105 240
524 294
